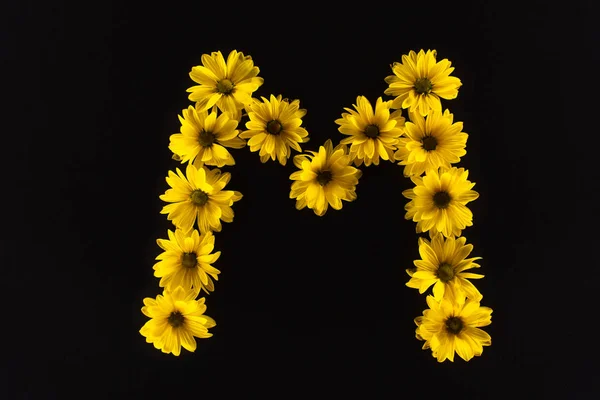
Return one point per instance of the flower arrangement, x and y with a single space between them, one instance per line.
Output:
426 145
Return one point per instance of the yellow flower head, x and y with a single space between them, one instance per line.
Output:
419 82
438 201
186 261
176 318
203 136
372 134
199 195
448 327
325 179
274 128
229 84
431 142
443 263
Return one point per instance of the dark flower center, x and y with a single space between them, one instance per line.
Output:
274 127
224 86
372 131
199 197
454 325
189 260
429 143
423 86
445 272
176 319
441 199
324 177
206 139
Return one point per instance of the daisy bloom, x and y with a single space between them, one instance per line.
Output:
443 264
438 201
325 179
229 84
448 327
176 318
199 195
372 134
419 82
274 128
186 261
431 142
203 137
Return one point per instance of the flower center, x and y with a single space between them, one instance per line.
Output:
176 319
445 272
454 325
206 139
199 197
324 177
274 127
441 199
372 131
423 86
429 143
224 86
189 260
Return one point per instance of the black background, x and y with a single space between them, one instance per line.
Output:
304 305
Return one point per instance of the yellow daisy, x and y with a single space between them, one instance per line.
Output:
438 201
325 179
372 134
274 128
419 82
443 263
203 136
186 261
176 318
229 84
448 327
431 142
199 195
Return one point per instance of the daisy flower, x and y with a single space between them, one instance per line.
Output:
199 195
443 264
229 84
373 134
176 318
325 179
448 327
431 142
438 201
419 82
186 261
274 128
203 137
